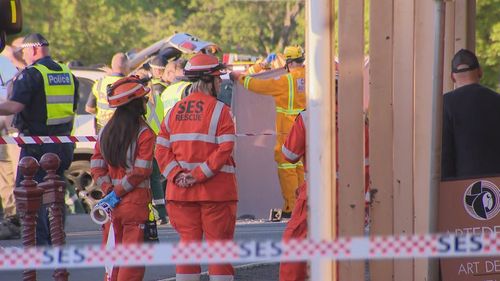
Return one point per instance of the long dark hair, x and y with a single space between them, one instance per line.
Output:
120 131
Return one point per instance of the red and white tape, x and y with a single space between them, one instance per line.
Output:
75 139
46 139
381 247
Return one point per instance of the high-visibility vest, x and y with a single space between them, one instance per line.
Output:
104 112
154 113
59 89
155 81
172 94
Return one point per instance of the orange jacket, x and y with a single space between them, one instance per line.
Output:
289 94
131 184
197 135
294 147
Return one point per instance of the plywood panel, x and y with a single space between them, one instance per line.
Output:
351 123
403 128
381 132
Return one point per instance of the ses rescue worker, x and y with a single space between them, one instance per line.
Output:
194 151
44 99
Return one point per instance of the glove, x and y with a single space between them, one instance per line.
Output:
111 200
270 58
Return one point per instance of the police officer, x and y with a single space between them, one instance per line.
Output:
44 99
97 103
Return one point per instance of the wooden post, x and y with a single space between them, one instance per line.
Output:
424 63
28 200
381 129
351 127
449 45
403 128
54 189
320 84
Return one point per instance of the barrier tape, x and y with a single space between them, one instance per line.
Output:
378 247
75 139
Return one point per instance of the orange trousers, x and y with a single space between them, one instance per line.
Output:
296 229
128 224
291 175
193 220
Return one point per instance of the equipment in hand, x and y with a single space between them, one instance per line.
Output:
101 212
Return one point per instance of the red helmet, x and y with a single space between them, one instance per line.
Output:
125 90
201 65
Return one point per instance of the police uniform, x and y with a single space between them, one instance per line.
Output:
49 93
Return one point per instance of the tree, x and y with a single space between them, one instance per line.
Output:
488 41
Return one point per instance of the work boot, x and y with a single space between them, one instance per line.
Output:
286 215
9 230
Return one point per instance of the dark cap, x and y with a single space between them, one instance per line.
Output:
34 40
158 61
464 60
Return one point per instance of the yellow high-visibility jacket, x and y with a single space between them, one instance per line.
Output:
288 91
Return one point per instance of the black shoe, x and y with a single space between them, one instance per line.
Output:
286 215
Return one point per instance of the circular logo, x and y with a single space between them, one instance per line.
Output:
482 200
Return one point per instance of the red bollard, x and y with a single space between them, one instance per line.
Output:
54 189
28 200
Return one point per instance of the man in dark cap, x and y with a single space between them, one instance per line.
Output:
471 121
44 99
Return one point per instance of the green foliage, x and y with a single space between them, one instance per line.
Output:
488 41
92 31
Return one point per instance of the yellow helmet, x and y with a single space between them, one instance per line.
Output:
293 52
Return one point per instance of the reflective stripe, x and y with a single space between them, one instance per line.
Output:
251 70
97 163
215 118
226 138
206 170
163 141
141 163
202 137
221 278
153 116
167 117
192 137
187 277
57 121
103 179
228 169
192 166
246 82
289 112
169 168
158 202
126 185
291 91
289 165
126 93
60 99
102 105
289 154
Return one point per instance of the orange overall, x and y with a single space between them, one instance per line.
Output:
293 150
289 96
197 136
132 187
